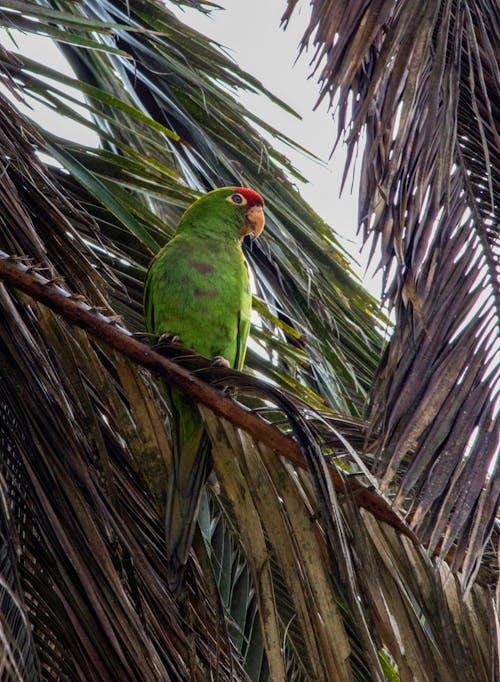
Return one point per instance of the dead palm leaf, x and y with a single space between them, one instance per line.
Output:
422 81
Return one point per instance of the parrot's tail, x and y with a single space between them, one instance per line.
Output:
191 465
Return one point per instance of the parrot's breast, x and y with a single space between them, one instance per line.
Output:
199 290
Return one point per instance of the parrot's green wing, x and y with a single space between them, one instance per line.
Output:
241 342
197 288
243 326
191 459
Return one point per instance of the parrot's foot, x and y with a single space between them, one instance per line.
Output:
220 361
166 337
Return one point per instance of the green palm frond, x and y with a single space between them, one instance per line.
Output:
422 81
177 107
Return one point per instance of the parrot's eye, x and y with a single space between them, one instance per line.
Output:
237 199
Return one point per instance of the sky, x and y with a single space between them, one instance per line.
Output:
258 44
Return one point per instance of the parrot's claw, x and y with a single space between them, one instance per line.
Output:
220 361
166 337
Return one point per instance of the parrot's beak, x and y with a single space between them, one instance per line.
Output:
254 222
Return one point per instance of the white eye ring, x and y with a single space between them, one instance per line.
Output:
237 198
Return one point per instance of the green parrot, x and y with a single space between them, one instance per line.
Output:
197 289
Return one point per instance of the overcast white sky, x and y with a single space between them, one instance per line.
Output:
256 42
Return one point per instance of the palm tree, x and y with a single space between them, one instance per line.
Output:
351 531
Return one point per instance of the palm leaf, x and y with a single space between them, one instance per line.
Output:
421 80
90 548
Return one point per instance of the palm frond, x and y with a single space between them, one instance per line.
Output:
422 81
19 656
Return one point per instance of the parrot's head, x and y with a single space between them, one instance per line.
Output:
239 210
253 204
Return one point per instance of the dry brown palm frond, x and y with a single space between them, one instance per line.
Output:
422 81
361 593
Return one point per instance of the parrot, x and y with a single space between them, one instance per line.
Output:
197 290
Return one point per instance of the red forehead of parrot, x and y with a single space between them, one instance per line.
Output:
253 198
